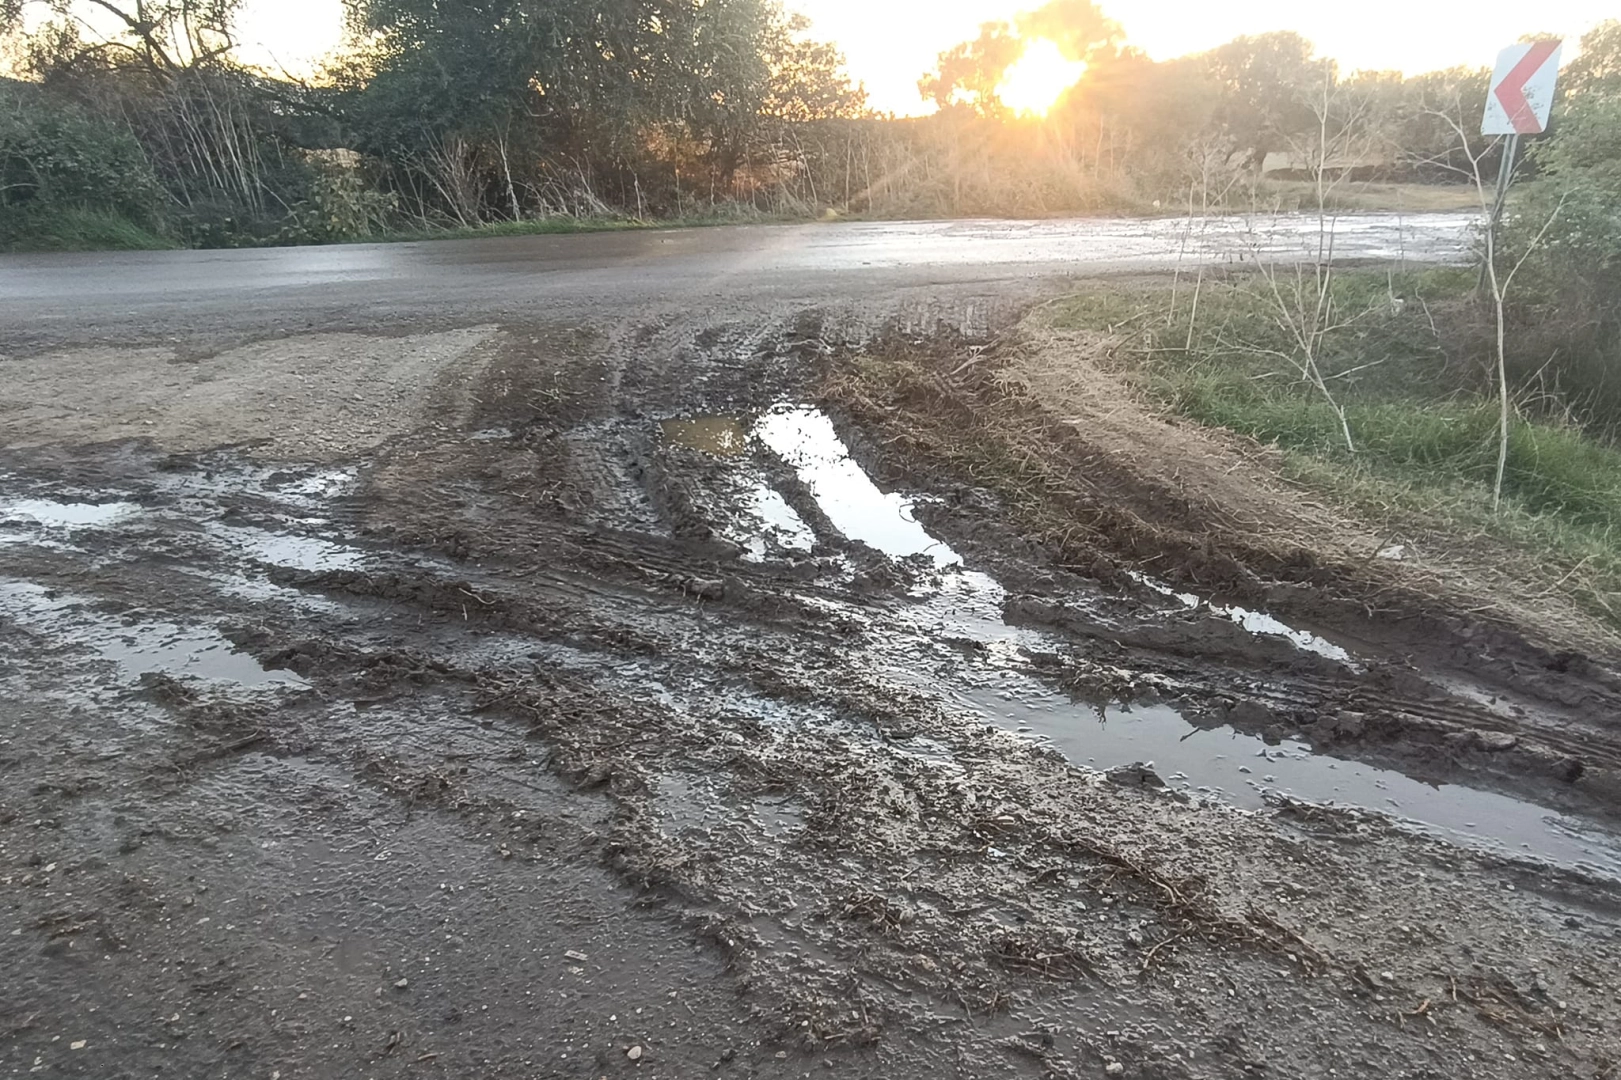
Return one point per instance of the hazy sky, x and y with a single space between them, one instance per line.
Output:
892 42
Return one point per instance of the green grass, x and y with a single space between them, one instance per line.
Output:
1551 469
75 229
1425 423
552 226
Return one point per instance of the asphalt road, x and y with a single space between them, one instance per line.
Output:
121 298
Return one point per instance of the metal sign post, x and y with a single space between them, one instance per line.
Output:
1505 177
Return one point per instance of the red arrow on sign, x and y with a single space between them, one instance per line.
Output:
1511 91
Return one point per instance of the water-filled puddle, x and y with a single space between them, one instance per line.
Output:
257 590
1222 763
805 439
1259 622
686 802
140 648
782 525
65 515
323 484
293 552
1242 769
965 603
166 647
1256 622
779 816
722 436
764 521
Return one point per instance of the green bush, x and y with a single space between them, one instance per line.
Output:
56 228
69 180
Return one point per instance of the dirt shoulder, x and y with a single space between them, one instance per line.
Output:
308 397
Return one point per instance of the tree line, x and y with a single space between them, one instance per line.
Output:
132 120
435 114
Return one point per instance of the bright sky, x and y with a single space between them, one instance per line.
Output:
890 43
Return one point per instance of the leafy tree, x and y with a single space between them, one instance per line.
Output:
1163 111
217 136
565 62
1426 142
457 92
807 80
1597 67
969 73
1078 27
1265 86
165 37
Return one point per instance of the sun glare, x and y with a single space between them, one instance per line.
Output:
1034 84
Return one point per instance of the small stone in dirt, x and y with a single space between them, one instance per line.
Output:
1137 774
707 588
1114 1068
576 956
402 984
1350 725
1249 713
634 1053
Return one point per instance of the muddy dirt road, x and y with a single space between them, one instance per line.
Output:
535 682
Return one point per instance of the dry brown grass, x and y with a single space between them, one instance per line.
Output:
1368 196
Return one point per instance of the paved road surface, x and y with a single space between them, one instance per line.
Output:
62 299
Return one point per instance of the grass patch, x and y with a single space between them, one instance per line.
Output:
553 226
561 226
1424 421
75 229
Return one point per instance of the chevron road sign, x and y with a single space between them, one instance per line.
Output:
1522 88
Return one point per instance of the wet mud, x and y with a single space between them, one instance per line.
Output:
641 716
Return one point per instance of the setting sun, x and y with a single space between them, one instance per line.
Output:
1035 83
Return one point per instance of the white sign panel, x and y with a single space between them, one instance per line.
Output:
1521 96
